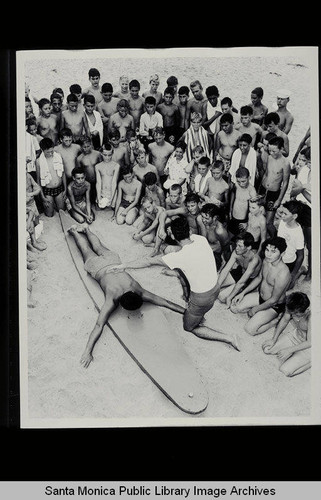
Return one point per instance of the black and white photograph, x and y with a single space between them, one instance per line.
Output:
169 219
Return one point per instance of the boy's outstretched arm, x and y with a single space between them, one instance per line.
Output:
106 310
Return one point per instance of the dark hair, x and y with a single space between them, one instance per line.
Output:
192 197
247 238
245 138
58 90
93 72
150 100
123 103
269 136
89 98
242 172
226 118
204 160
169 90
107 87
272 117
55 95
72 98
277 141
150 178
78 170
293 206
277 242
131 301
31 121
183 90
246 110
42 102
306 152
212 90
172 81
65 132
46 143
297 301
258 91
125 170
180 228
181 144
134 83
218 164
75 88
227 100
211 209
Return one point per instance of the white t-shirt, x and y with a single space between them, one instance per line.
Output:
294 239
304 177
197 262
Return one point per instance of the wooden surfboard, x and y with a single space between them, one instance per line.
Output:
146 335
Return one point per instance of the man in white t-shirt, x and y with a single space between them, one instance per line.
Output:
196 260
292 232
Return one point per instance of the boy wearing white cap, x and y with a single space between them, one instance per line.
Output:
286 118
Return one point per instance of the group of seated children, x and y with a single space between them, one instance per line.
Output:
155 157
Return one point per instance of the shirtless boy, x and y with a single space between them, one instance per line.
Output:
107 106
272 122
142 166
239 202
242 267
79 197
136 102
275 180
47 122
170 114
265 304
286 118
88 159
119 287
226 140
94 88
246 126
164 243
121 120
128 195
197 104
107 173
74 119
153 190
257 222
216 190
259 109
69 152
146 225
211 227
291 341
120 152
159 151
51 178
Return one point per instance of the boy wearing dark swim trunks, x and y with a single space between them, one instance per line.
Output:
264 298
79 197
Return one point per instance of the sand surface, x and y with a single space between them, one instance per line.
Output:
244 384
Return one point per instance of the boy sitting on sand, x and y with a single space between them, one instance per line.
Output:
79 197
292 345
129 191
146 225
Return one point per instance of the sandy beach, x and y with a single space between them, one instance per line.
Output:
243 386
